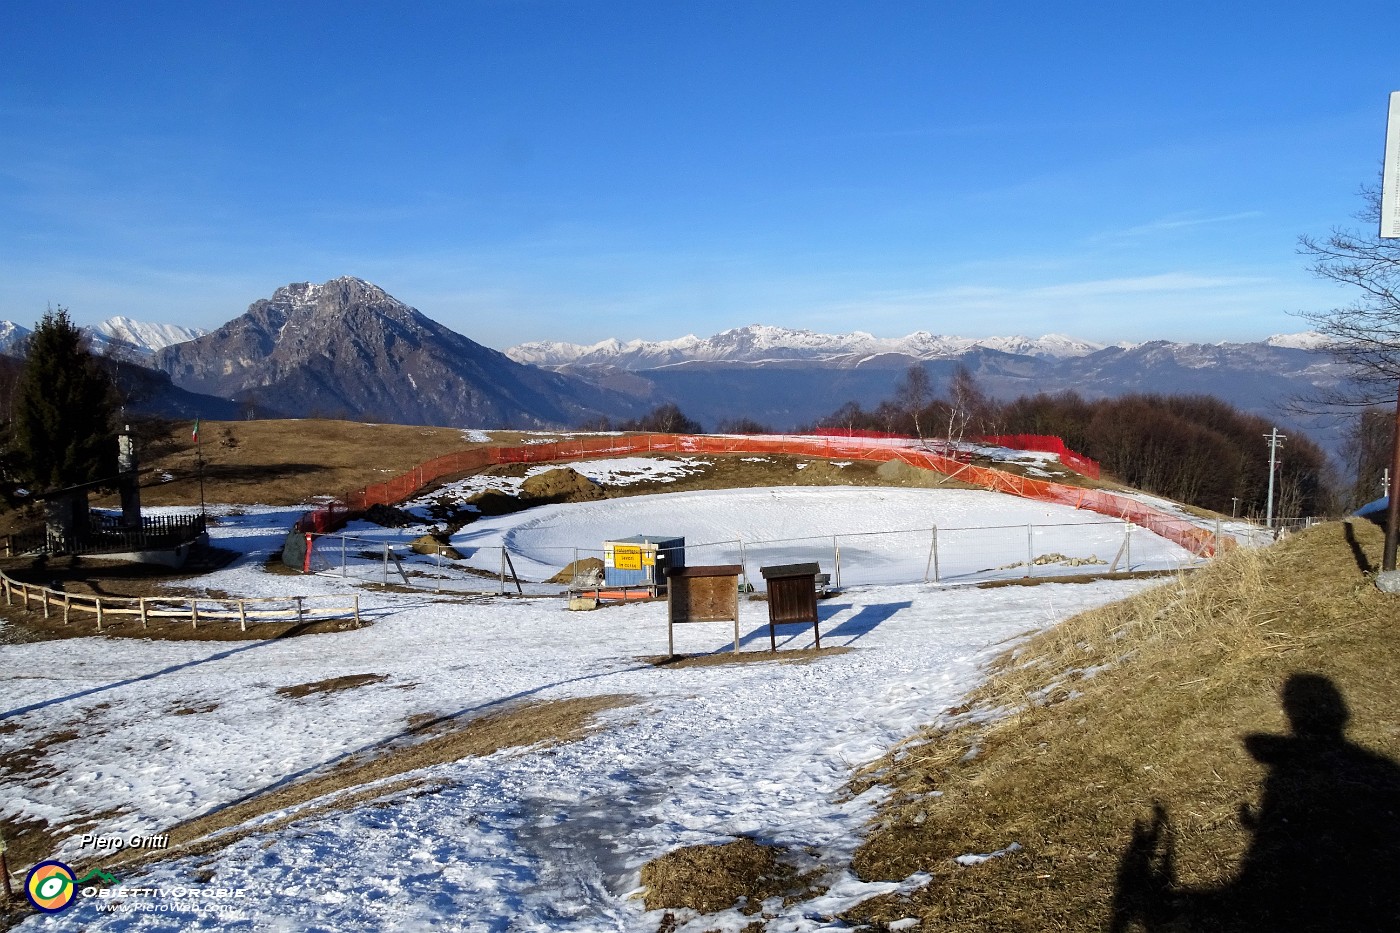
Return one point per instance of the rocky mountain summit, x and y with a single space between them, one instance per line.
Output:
346 348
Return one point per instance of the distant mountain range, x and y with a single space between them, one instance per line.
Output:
760 344
116 334
785 378
345 348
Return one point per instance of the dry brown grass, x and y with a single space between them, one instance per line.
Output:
711 878
1081 731
288 462
1142 701
331 685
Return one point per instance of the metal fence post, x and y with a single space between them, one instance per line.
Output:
932 555
1030 549
836 549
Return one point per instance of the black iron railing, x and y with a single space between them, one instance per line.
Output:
108 534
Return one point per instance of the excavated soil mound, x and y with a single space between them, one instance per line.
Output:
432 545
492 502
588 571
899 473
561 485
390 517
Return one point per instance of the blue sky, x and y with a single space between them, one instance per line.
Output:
581 170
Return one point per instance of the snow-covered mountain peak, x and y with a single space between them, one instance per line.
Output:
1307 340
143 336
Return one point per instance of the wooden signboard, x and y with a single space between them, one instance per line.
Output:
703 594
792 598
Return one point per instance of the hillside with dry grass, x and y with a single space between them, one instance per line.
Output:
1169 762
1218 753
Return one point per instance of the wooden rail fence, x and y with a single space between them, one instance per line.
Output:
207 609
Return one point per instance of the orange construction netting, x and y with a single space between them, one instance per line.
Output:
1195 539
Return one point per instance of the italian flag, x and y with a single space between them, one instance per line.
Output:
194 435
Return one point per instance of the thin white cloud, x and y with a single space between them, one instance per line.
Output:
1176 222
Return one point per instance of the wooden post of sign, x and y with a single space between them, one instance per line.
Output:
5 870
671 619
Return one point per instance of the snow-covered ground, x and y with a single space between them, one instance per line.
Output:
524 839
882 534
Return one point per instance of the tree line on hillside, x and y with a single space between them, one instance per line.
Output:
1193 448
667 418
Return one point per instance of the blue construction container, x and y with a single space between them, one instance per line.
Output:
641 560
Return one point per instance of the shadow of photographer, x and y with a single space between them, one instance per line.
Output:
1325 853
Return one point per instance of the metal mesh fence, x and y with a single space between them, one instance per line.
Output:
1174 528
927 555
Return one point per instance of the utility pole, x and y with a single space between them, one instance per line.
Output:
1275 440
1390 230
1234 506
1392 511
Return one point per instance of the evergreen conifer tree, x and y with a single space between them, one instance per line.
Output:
63 432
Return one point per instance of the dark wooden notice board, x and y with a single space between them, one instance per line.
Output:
792 598
703 594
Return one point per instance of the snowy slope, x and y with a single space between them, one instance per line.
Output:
526 839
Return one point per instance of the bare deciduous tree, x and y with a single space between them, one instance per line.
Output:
913 392
1365 334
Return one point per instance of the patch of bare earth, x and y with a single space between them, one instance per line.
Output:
331 685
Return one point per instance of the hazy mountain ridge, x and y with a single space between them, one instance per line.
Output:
761 343
347 348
